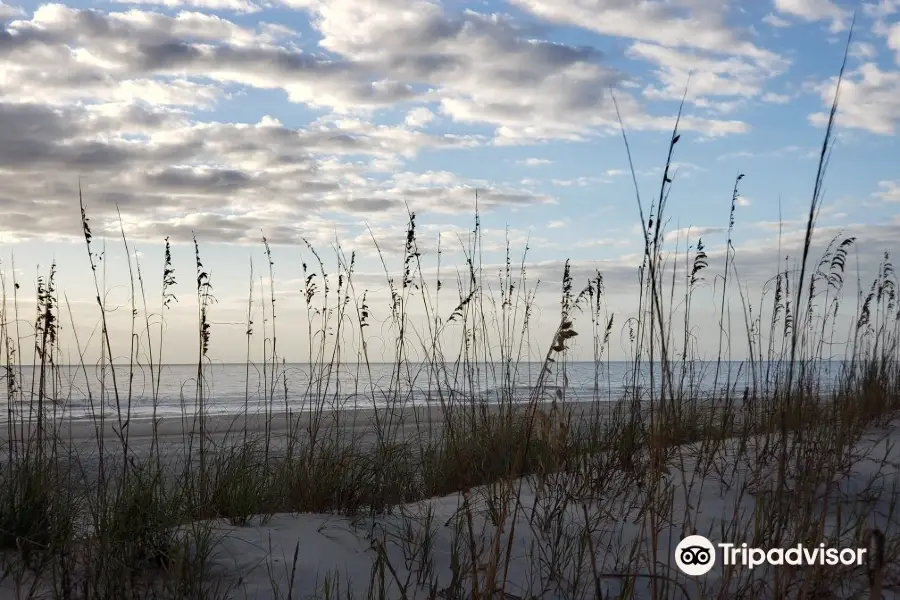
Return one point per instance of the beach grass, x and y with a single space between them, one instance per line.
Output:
591 494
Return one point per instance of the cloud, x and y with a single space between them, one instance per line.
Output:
603 243
108 97
709 77
793 151
391 237
169 175
892 36
419 117
89 54
889 191
881 8
477 68
8 12
446 193
721 107
239 6
579 181
775 21
113 97
692 233
680 23
534 162
863 50
773 98
485 69
757 259
816 10
870 100
481 68
557 224
682 38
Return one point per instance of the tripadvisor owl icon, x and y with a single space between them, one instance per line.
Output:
695 555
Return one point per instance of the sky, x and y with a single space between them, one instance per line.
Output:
327 120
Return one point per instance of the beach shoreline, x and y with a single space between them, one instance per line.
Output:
178 440
280 421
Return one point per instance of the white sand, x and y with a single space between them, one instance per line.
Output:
257 560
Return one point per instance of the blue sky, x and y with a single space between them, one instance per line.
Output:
321 118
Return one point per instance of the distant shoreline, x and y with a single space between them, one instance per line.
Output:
81 444
218 423
93 366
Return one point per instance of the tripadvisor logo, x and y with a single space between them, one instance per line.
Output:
695 555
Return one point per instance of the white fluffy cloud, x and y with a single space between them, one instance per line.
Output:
881 8
239 6
534 162
112 97
419 117
485 69
710 77
816 10
870 100
8 12
889 191
679 37
107 97
62 50
776 21
224 181
698 24
892 38
863 50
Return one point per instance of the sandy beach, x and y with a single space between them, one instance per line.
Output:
82 438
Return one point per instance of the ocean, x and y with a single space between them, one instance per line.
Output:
232 388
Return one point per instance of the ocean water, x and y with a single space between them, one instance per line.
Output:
230 388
